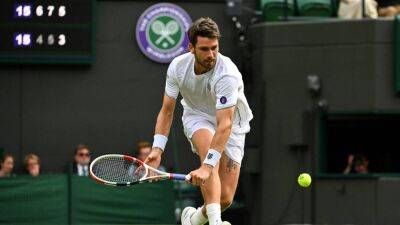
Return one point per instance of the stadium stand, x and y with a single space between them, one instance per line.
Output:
315 8
275 10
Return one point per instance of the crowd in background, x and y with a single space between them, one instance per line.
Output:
80 165
352 9
31 165
357 163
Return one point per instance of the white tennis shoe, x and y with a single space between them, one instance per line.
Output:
187 213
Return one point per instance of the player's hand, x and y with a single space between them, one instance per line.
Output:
200 175
154 158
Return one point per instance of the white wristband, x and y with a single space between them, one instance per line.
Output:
212 157
160 141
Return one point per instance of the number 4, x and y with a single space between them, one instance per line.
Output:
39 39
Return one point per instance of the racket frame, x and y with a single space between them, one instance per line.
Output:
161 174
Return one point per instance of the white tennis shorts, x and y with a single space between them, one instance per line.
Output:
234 148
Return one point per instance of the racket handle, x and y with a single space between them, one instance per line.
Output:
177 176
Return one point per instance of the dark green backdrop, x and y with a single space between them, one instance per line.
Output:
63 199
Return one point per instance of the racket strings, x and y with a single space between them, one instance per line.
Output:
118 170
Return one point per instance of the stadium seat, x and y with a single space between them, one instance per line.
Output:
274 10
335 7
315 8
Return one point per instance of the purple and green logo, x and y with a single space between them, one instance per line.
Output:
161 32
223 100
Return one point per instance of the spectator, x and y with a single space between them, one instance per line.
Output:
32 165
143 150
388 8
7 165
352 9
82 159
357 164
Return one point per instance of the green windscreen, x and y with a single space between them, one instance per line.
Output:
62 199
34 201
140 204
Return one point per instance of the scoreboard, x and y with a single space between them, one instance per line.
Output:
47 31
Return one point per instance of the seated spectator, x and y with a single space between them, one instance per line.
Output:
357 164
143 150
388 8
32 165
80 166
7 166
352 9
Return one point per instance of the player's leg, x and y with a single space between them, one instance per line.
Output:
199 132
229 168
211 190
229 171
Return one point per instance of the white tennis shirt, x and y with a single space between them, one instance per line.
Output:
203 94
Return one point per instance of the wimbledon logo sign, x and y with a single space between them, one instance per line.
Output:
161 32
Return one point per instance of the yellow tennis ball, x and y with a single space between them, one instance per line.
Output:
304 180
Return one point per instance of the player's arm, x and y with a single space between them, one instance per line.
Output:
224 127
163 125
164 118
226 99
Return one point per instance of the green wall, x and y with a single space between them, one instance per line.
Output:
63 199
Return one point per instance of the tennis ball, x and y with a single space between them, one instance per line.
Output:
304 180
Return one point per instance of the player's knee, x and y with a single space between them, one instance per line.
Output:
226 202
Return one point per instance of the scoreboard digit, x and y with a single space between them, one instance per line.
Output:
43 31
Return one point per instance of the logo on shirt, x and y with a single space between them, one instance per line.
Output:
161 32
223 100
209 156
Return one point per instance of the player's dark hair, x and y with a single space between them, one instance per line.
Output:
81 147
203 27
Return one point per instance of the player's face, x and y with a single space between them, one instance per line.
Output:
205 52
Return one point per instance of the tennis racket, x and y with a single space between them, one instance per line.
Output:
123 170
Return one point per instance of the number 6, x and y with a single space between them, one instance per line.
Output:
62 11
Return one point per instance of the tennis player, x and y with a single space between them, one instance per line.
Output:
216 119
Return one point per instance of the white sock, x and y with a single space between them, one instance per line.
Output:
214 213
198 218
